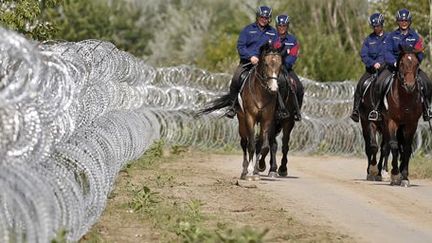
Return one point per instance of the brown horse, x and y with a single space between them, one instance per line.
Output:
285 126
258 104
404 110
370 131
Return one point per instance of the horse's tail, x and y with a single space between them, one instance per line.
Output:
217 104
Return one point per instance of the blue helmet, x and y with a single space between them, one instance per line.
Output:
376 19
403 14
264 11
282 19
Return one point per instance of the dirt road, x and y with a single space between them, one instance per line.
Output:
333 191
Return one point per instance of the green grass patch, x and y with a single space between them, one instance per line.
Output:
420 166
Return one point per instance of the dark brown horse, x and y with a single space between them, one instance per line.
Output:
258 104
404 110
371 129
285 126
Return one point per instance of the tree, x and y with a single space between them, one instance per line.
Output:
29 17
115 21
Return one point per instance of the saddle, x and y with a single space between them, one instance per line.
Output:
243 77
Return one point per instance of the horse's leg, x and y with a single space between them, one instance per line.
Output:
273 151
384 152
261 166
373 150
408 136
250 123
244 144
367 140
267 137
263 139
395 178
287 128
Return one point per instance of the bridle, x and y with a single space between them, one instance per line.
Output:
401 76
264 77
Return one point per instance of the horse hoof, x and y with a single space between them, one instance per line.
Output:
370 177
249 178
378 178
385 176
373 170
395 180
283 173
405 183
272 174
256 178
395 183
261 169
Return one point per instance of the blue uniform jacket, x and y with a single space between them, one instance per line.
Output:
252 38
290 50
372 50
395 38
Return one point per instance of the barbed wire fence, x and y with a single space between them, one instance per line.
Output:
72 114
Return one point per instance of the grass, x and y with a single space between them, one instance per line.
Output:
421 166
175 219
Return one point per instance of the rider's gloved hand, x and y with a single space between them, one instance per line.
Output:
377 66
254 60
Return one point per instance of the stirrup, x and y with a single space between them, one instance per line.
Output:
281 115
231 113
373 115
428 115
297 117
355 116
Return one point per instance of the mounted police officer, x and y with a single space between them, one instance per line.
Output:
289 55
404 35
251 38
372 56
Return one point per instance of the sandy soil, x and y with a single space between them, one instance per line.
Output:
323 199
333 191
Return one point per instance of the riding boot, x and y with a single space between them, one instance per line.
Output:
297 92
236 83
281 111
425 89
427 113
355 115
231 113
297 112
234 89
378 95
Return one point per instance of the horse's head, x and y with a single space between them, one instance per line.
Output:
408 66
269 65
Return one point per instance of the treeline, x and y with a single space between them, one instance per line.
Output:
204 33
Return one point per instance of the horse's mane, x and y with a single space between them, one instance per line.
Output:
225 100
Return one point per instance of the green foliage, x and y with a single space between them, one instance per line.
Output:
115 21
60 236
192 233
421 166
243 235
178 149
320 60
151 155
29 17
143 199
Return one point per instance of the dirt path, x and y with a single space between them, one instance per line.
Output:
333 191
